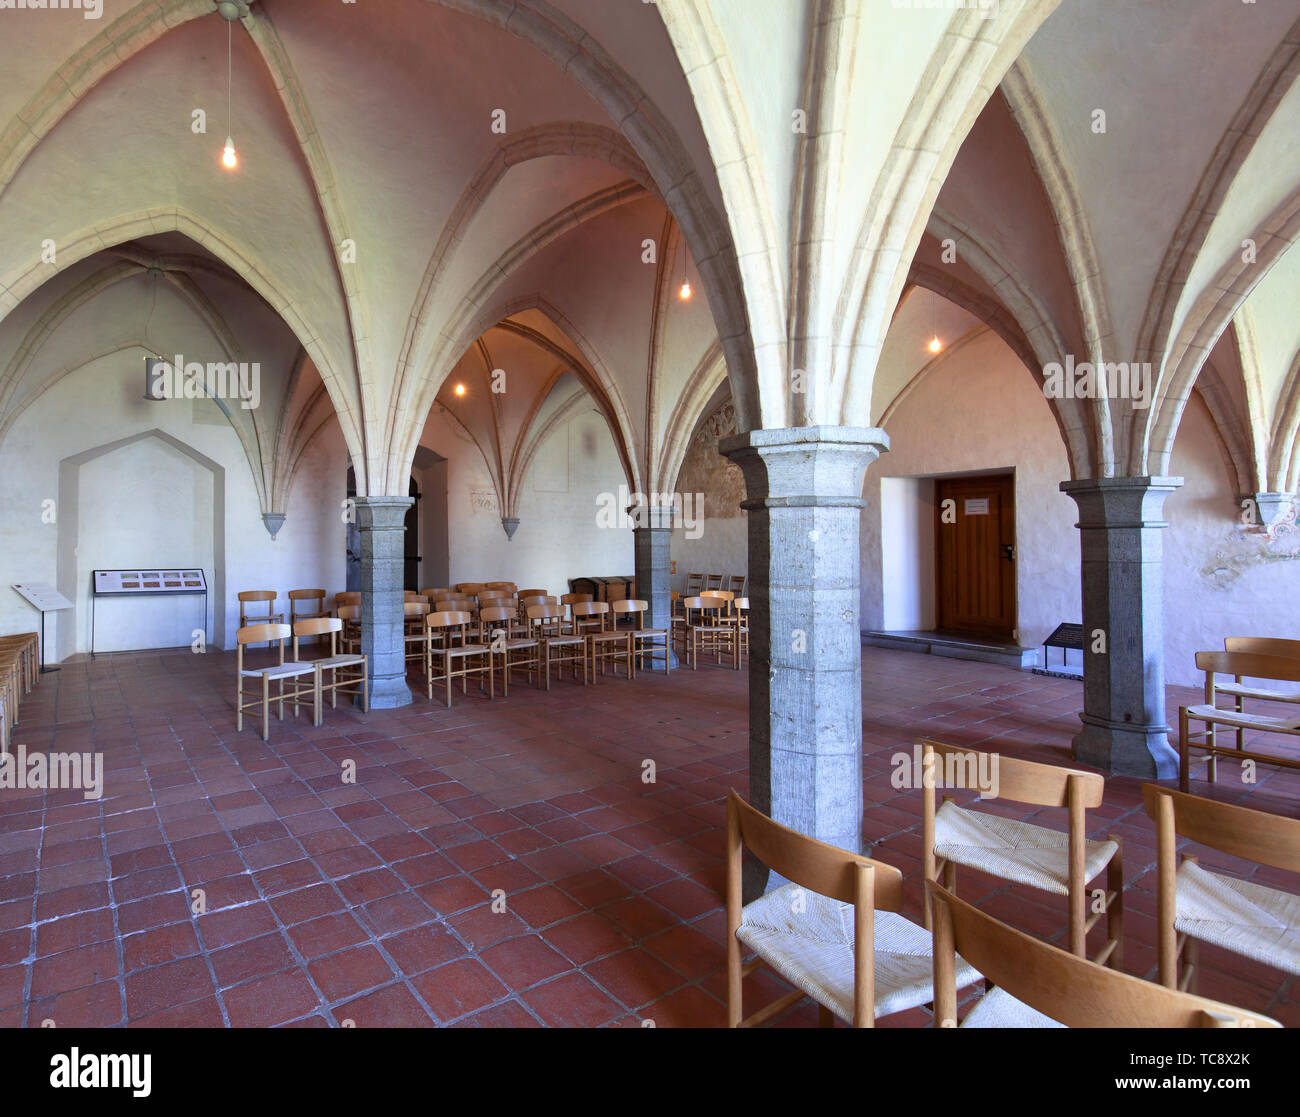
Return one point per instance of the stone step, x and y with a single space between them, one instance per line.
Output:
955 646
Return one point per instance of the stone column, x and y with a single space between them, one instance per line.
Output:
382 520
653 539
804 498
1124 727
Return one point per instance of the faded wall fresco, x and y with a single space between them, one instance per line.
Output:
706 471
1248 547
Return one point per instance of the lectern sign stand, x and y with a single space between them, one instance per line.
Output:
48 600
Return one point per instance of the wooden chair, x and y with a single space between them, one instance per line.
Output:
346 598
558 647
1037 985
313 605
1195 904
725 596
1056 862
267 634
533 593
1240 691
511 589
568 601
350 636
712 582
19 673
469 589
834 931
456 604
256 597
736 584
648 643
347 671
435 594
741 620
447 643
605 645
694 583
706 629
413 614
497 626
1240 665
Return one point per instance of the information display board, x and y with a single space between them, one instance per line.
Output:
149 580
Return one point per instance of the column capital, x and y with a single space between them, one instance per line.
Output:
1119 502
815 467
382 513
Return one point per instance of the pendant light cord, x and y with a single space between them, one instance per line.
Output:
229 79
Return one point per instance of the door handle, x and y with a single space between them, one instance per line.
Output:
1009 552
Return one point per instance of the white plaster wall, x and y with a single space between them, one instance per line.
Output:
100 404
907 552
558 536
977 412
721 548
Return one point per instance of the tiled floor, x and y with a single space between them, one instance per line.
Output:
502 864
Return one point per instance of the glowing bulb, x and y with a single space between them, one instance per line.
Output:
935 344
460 389
229 158
685 291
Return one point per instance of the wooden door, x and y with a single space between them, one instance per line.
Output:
975 547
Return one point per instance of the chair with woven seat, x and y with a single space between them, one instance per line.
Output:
711 582
568 601
605 644
1058 862
706 629
546 622
347 670
346 597
447 645
835 932
305 605
350 634
258 597
649 644
1197 905
278 673
413 614
497 627
1240 665
1239 690
1037 985
736 584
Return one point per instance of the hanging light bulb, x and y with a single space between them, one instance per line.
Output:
460 389
685 291
935 344
229 156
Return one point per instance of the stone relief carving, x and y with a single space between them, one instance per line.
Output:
706 471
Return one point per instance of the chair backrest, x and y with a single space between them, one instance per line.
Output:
447 619
707 604
694 583
411 595
590 608
724 595
436 594
509 587
742 604
574 598
526 600
491 595
1247 665
455 605
317 626
1071 990
349 613
247 596
1263 645
1020 781
631 607
533 593
826 869
496 614
417 608
262 633
544 611
713 581
306 595
511 603
470 587
1259 836
736 583
347 597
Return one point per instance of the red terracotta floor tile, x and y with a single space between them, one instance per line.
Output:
458 988
269 1000
571 1001
350 972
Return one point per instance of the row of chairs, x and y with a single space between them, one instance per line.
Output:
20 657
696 584
336 672
837 934
1243 658
715 622
458 643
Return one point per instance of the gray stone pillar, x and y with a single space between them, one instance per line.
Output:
804 498
653 546
1121 537
382 520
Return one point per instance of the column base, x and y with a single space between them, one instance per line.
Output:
1126 749
388 692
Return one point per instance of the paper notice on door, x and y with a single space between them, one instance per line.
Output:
978 507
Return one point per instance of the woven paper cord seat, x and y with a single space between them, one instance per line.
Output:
279 671
1243 719
813 950
999 1009
1013 850
1250 919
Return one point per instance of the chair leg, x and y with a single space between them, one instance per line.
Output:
266 708
239 704
1184 750
1115 909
